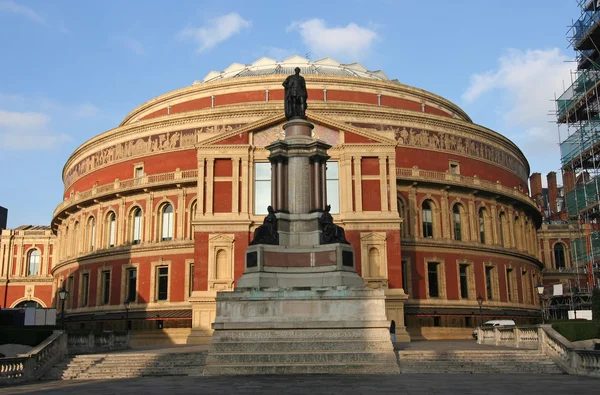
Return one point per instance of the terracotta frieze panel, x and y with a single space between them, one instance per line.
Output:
274 133
140 147
450 143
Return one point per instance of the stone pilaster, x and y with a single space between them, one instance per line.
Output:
445 215
383 183
393 194
235 187
200 192
357 185
473 224
181 205
245 190
210 182
148 220
413 210
494 221
120 224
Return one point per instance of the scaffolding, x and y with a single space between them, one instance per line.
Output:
578 110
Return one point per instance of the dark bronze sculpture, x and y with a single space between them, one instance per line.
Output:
295 96
330 232
267 232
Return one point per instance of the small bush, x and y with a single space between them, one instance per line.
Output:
578 330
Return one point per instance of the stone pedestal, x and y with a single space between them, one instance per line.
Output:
291 331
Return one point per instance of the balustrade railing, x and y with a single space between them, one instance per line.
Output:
33 365
459 179
90 342
543 337
124 185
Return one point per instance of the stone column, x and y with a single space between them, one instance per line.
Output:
494 222
383 183
473 219
511 228
323 166
235 187
148 220
357 184
180 214
445 216
245 190
413 211
210 182
274 186
280 185
120 224
200 191
393 193
346 184
45 269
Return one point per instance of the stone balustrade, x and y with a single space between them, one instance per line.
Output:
552 343
90 342
414 173
120 186
33 365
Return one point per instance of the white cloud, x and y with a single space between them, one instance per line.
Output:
216 31
10 6
524 85
351 41
27 131
132 45
86 110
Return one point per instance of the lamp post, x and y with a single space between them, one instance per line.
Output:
62 295
126 303
480 303
540 291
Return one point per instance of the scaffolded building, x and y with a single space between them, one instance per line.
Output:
578 109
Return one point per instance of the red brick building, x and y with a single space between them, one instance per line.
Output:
159 211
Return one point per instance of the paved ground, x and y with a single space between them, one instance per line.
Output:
398 384
439 345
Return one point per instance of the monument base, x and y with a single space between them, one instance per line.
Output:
293 331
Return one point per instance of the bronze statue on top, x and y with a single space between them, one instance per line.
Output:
295 96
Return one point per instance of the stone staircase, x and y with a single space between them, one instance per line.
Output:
487 361
300 352
127 365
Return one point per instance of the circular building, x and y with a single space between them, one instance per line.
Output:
158 212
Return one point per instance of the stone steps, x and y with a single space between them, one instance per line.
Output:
476 361
301 346
299 368
301 358
127 365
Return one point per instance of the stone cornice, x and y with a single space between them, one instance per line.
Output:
448 245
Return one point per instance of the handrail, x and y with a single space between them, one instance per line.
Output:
560 350
34 364
459 179
119 186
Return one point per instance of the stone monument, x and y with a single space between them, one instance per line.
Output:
300 306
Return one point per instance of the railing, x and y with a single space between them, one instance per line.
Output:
580 141
586 79
552 343
90 342
33 365
119 186
458 179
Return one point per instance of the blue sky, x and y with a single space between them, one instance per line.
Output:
70 70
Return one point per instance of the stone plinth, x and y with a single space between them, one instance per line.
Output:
291 331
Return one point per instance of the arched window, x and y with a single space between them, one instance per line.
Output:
191 219
28 304
92 232
167 222
112 228
136 223
482 225
502 220
427 219
33 267
374 263
457 224
559 255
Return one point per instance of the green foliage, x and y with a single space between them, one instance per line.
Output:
596 304
578 330
26 336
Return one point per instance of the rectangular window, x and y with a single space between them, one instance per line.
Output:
454 167
432 276
262 187
191 284
427 223
464 281
333 187
137 228
509 274
92 234
481 228
457 226
488 282
162 283
131 285
106 287
85 288
138 174
111 232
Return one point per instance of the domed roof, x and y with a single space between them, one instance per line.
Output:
268 66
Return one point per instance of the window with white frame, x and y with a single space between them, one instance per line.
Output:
167 222
427 219
333 186
112 227
34 263
92 230
137 226
262 187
